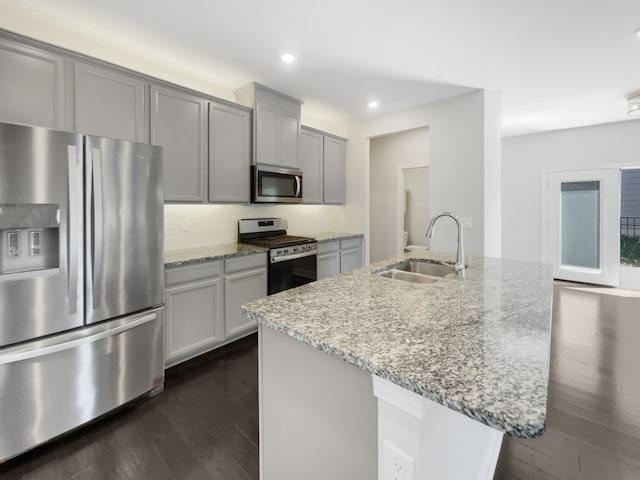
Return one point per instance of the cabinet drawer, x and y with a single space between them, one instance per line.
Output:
190 273
350 243
245 262
327 247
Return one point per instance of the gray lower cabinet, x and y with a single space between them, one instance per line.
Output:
350 254
311 164
202 304
179 124
335 154
36 87
110 104
245 280
193 310
339 256
229 153
328 259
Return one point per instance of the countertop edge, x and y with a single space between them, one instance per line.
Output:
519 431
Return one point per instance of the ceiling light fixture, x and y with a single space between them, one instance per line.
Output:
637 32
373 104
288 58
634 105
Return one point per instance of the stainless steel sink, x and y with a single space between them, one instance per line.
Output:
408 276
426 268
417 271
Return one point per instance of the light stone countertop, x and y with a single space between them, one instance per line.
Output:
177 258
478 345
328 236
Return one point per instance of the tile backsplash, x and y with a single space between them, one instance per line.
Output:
187 226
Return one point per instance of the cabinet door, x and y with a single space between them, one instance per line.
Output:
350 260
240 288
229 153
328 265
193 317
350 254
110 104
179 125
33 87
289 140
267 133
335 151
311 146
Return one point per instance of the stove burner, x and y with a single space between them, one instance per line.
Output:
278 241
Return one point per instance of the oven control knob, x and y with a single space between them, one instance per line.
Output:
278 252
286 250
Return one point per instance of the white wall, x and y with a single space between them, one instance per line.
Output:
218 224
416 183
387 153
458 133
525 158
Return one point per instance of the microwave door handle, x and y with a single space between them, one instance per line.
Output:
298 186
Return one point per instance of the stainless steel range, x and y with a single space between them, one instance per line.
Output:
292 260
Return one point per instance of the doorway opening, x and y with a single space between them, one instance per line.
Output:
389 156
630 228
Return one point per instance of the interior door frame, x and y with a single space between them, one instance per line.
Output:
400 199
609 248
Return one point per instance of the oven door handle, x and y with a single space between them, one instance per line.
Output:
285 258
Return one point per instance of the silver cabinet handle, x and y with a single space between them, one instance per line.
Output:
73 226
97 225
59 347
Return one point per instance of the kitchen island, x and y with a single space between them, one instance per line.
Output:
454 365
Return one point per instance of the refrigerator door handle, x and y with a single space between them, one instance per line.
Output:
27 354
73 226
96 253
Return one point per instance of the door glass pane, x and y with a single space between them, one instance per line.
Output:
580 224
630 217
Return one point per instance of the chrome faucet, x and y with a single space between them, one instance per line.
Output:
459 267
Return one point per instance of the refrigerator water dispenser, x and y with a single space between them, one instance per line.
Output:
29 237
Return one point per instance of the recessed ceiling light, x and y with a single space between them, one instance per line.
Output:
288 58
373 104
637 32
633 105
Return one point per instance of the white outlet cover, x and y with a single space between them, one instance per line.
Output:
185 224
398 465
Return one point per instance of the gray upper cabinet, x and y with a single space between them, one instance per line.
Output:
36 87
179 124
311 164
110 104
229 153
276 125
335 153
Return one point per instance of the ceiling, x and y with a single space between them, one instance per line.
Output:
558 64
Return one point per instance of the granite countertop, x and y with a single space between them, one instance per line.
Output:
328 236
478 345
177 258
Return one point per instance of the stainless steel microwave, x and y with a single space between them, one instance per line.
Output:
275 185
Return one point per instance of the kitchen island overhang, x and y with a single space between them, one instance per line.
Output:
477 345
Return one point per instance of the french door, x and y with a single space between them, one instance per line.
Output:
581 234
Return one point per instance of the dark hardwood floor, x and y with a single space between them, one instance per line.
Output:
205 424
593 410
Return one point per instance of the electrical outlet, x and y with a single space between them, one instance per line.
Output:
185 225
397 464
467 222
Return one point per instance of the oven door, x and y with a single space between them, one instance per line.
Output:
275 185
285 273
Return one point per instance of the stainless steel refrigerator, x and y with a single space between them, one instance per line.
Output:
81 280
